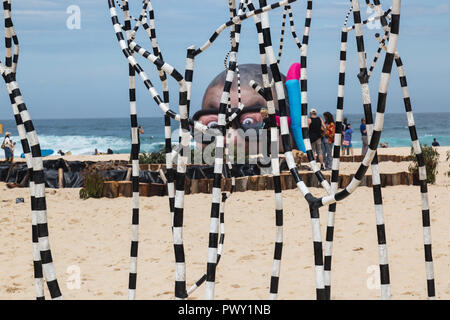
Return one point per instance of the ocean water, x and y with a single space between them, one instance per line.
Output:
82 136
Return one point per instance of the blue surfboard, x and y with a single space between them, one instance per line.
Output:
44 153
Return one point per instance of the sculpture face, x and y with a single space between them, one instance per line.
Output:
250 116
246 127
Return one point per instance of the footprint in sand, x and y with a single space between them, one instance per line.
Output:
248 257
118 293
13 289
235 286
358 249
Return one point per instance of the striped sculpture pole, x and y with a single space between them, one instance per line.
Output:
134 160
275 166
377 195
336 158
42 256
129 47
426 221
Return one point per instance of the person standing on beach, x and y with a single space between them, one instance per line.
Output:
344 126
328 139
435 143
140 131
316 127
347 144
8 146
365 142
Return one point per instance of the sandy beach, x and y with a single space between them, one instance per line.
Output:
93 236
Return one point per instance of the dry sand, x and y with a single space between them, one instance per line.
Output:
94 236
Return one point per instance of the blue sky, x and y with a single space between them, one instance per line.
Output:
82 73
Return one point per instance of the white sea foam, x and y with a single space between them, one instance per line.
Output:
83 145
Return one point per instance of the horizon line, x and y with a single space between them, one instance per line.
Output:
162 116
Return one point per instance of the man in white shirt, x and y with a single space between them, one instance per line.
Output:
8 146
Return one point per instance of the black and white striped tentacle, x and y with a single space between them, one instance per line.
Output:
142 17
182 159
287 10
283 27
239 19
383 16
135 162
376 180
314 212
142 74
37 262
11 58
304 102
328 251
42 257
137 20
178 210
234 30
377 54
374 18
275 165
170 173
369 4
379 119
126 51
202 280
291 23
11 63
228 141
426 220
180 278
37 184
257 88
180 282
218 167
347 16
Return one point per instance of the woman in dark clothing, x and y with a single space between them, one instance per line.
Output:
316 127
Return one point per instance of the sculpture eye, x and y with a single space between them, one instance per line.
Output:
213 124
248 121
